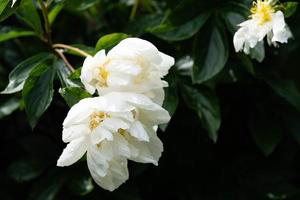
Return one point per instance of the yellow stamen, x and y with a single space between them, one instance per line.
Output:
97 118
262 11
103 74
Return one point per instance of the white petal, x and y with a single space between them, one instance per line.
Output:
80 112
131 48
114 124
137 130
148 152
13 3
97 162
166 63
73 152
116 175
73 132
281 31
100 134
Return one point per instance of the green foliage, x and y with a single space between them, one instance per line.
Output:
108 41
73 94
18 76
290 8
38 91
211 54
234 132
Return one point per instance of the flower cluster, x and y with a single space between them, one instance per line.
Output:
120 123
265 20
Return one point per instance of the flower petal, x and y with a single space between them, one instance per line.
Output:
73 152
137 130
100 134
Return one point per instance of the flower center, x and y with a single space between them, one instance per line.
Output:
97 118
262 11
103 74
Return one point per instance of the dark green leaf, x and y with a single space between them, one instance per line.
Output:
38 91
54 12
9 106
109 41
26 169
6 10
171 98
28 13
287 89
182 32
7 33
210 55
265 128
73 95
18 76
206 105
63 74
48 187
258 52
289 8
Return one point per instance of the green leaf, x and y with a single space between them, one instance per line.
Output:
38 91
289 8
182 32
26 169
20 73
109 41
265 128
206 105
287 89
28 13
80 184
54 12
73 95
233 14
210 55
76 74
258 52
6 10
64 74
171 98
7 33
9 106
48 187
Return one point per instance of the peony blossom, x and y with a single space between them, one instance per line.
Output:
265 21
111 129
134 65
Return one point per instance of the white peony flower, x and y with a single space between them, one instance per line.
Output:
265 21
134 65
13 3
111 129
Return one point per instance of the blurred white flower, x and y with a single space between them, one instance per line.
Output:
13 3
111 129
134 65
265 21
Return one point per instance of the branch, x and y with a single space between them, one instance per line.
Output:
62 56
64 46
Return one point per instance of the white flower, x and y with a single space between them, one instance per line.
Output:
13 3
265 21
111 129
134 65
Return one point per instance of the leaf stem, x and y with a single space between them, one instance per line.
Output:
44 7
62 56
64 46
133 11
